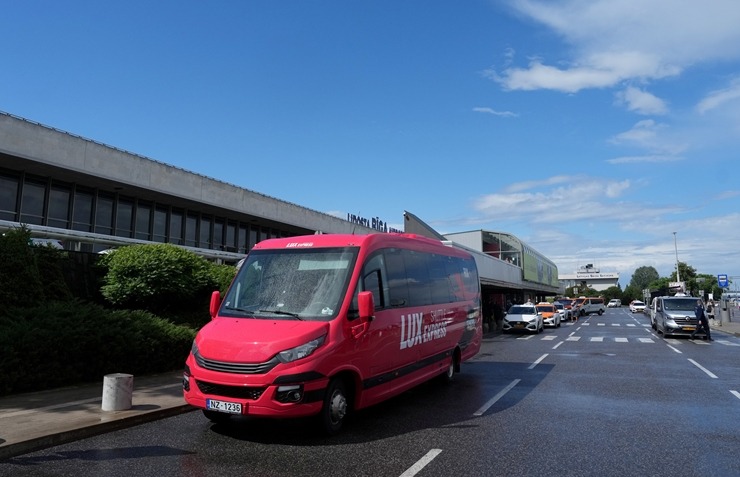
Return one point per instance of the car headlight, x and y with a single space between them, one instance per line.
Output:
290 355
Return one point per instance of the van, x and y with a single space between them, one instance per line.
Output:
588 305
674 315
323 325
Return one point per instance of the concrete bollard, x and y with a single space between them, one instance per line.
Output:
118 390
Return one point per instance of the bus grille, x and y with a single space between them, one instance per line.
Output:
235 368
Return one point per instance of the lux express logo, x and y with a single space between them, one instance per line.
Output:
414 331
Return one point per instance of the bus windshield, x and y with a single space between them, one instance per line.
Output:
304 284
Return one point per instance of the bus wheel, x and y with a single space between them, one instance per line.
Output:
449 375
335 407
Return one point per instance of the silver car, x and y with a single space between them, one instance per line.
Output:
674 315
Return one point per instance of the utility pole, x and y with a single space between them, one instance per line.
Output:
675 244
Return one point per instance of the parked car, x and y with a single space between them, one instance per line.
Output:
615 303
550 315
523 318
636 306
565 313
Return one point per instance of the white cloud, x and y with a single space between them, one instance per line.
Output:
612 41
718 98
493 112
641 102
652 136
644 159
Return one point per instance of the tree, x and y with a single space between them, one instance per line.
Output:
643 277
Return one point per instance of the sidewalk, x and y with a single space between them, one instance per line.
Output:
34 421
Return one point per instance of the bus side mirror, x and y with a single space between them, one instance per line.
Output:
215 303
366 304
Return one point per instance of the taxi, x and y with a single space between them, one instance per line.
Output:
550 315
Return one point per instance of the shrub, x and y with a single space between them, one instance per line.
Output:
58 344
20 281
161 278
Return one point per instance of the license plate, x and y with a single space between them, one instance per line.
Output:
520 325
689 328
224 406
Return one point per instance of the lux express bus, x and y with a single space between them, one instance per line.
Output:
326 324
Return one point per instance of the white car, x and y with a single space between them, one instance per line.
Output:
637 306
523 318
615 303
565 313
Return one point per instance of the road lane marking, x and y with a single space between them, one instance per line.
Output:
597 338
646 340
495 398
616 324
538 361
600 324
528 337
726 343
675 349
421 463
737 394
621 340
572 338
556 346
631 324
549 338
709 373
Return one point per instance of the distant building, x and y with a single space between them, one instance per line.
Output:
593 278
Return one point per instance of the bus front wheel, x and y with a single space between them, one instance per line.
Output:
335 407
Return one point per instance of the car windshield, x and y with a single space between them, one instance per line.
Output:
546 308
559 306
679 304
522 310
638 303
306 284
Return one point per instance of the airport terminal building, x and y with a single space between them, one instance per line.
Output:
94 197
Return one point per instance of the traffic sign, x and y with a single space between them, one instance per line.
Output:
722 281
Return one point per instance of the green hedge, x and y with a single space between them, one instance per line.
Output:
58 344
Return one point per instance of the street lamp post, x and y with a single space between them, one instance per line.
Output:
675 244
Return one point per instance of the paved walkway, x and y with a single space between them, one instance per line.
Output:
43 419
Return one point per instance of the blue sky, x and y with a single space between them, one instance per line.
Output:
591 129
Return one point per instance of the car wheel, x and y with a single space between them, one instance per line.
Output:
335 407
601 312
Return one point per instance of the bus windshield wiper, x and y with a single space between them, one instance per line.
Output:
281 312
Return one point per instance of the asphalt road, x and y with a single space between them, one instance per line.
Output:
604 397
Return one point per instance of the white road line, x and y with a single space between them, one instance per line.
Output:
616 324
421 463
621 340
726 343
646 340
549 338
572 338
597 338
600 324
737 394
539 360
556 346
709 373
495 398
631 324
674 349
528 337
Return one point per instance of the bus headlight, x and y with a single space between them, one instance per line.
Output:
290 355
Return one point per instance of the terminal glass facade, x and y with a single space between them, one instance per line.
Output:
43 201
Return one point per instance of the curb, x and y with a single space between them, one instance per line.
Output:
51 440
